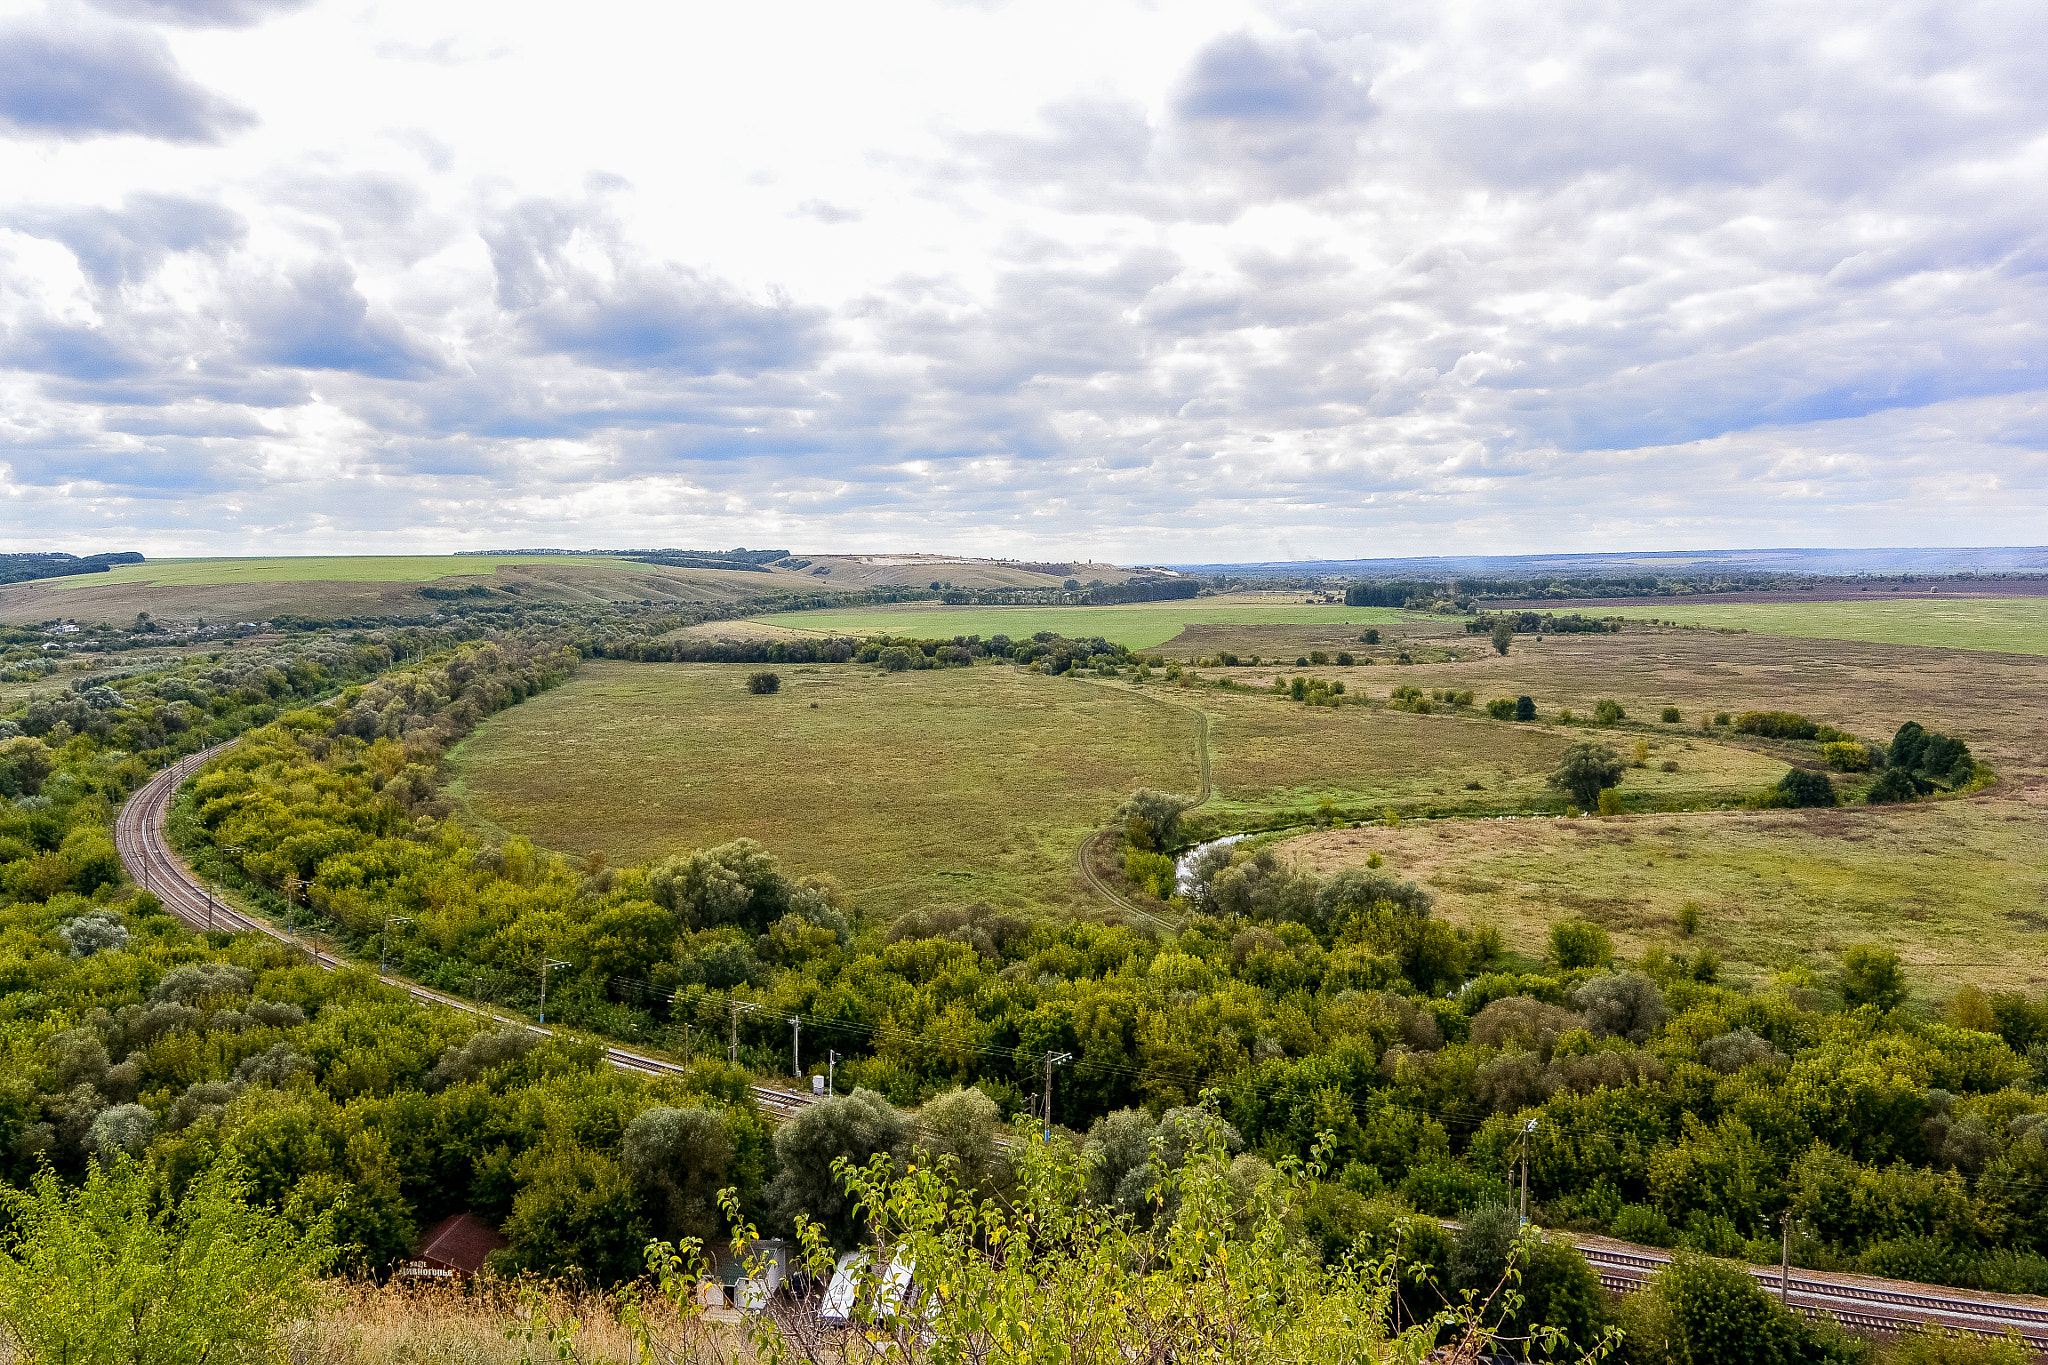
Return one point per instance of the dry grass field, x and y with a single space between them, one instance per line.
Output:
1138 625
1271 755
1959 888
913 789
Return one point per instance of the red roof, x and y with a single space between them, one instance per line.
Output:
460 1243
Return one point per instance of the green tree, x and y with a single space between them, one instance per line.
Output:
679 1159
1503 636
1151 819
1576 943
1872 976
1525 708
1586 769
762 683
106 1271
1609 712
856 1127
1805 787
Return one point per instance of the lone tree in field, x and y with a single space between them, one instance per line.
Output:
1588 769
1525 708
1152 819
1503 636
761 684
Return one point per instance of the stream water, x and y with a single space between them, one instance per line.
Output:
1184 865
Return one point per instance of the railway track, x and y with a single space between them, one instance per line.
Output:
1887 1307
149 858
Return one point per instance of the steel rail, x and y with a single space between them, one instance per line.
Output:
139 837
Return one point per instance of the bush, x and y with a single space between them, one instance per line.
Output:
1845 756
1641 1223
1586 770
1772 724
1370 637
1576 943
1501 708
1805 787
1345 659
1525 709
1893 784
1872 976
1610 802
895 659
1689 918
1930 757
760 684
1609 711
1670 715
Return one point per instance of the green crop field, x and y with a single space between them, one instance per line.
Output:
310 569
2005 625
1138 625
913 789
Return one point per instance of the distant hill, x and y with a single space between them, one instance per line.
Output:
23 568
1667 563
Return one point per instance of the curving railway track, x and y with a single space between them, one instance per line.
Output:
139 835
1858 1302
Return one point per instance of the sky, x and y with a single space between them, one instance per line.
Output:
1141 283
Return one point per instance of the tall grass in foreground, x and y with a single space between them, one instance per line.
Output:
494 1323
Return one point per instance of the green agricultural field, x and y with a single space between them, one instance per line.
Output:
1138 625
310 569
913 789
2005 625
1956 888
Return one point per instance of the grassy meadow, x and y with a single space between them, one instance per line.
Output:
1958 889
2004 625
1137 625
913 789
1273 756
943 787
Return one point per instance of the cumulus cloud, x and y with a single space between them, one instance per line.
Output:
202 13
87 80
1352 280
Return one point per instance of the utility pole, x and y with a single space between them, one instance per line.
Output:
476 982
547 964
796 1065
209 904
290 924
1785 1258
384 939
1052 1060
831 1069
739 1007
1527 1129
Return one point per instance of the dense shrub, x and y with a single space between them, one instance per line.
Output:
1609 712
1845 756
1805 787
1586 769
1525 708
762 683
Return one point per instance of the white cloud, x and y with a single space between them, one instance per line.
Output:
1155 282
